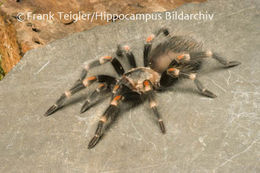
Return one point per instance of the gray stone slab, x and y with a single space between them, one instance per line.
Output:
203 135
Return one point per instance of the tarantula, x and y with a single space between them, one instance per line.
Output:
174 58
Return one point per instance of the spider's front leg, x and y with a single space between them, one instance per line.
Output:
78 87
101 90
111 111
153 105
107 82
67 94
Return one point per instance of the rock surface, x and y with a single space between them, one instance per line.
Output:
203 135
9 48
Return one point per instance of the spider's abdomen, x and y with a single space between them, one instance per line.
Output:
174 48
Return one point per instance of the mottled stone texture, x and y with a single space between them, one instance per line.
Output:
203 135
9 48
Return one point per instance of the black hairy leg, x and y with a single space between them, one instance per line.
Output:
153 105
78 86
67 94
112 110
201 88
96 94
126 52
148 44
98 62
176 73
210 54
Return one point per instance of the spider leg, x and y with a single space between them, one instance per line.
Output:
93 96
107 83
153 105
94 63
209 54
176 73
202 89
166 79
117 66
126 52
109 113
76 88
67 94
225 62
148 44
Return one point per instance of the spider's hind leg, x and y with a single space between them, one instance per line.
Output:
210 54
177 73
201 88
224 61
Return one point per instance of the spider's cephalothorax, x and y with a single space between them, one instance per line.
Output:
174 58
